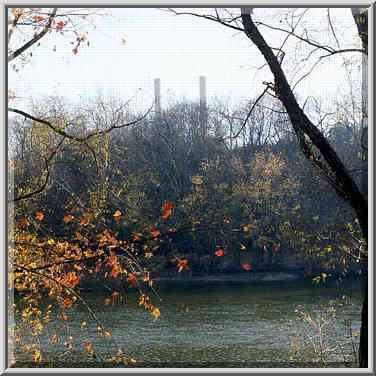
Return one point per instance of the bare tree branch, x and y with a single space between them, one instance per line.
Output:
27 45
75 138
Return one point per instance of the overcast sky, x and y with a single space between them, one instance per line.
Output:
159 45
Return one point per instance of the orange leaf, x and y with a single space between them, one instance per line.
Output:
137 236
39 216
117 215
277 247
243 247
107 301
182 262
246 266
67 302
166 214
155 233
24 222
167 206
75 51
148 255
123 41
245 228
68 218
219 252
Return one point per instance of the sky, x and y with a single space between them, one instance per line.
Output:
160 45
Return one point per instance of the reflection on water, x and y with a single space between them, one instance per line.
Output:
215 325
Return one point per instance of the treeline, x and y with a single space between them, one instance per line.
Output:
235 195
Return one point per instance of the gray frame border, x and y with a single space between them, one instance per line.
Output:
193 3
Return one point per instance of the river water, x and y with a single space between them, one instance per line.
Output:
217 325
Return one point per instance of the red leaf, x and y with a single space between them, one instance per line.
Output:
166 214
155 233
246 266
167 206
131 278
39 216
68 218
220 252
75 51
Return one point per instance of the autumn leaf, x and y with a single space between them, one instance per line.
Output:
219 252
137 236
166 214
107 301
68 218
243 247
75 50
155 233
156 313
131 278
86 218
11 95
148 255
182 264
123 41
245 228
246 266
277 247
167 206
67 303
39 216
117 215
23 222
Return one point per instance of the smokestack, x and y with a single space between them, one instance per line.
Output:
157 99
203 109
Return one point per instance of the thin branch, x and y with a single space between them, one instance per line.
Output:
27 45
44 185
332 28
207 17
250 112
75 138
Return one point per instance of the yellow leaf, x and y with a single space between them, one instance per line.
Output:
156 313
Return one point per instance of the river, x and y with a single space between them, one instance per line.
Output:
216 324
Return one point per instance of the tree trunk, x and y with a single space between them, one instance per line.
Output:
363 345
330 165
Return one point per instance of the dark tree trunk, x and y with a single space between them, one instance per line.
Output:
325 159
363 345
